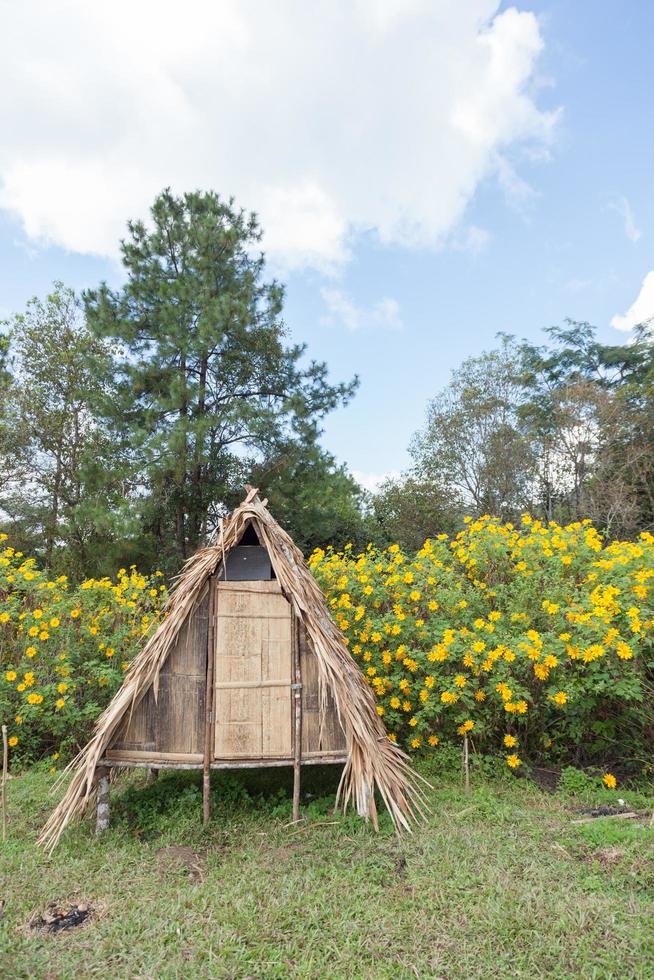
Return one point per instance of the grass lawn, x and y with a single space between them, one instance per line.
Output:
499 884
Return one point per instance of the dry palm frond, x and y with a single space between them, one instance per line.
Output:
372 760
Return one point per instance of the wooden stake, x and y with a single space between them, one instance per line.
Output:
466 762
297 704
5 766
208 700
102 801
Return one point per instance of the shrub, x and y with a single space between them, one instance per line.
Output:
65 650
535 640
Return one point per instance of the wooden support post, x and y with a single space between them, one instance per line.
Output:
5 766
466 762
297 705
102 801
208 701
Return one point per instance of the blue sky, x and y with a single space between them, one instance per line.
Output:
404 247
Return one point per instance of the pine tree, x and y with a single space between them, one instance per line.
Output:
208 385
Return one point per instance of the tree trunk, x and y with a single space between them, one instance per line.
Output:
198 505
54 511
182 467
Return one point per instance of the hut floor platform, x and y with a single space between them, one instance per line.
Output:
153 760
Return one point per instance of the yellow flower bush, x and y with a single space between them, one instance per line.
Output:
65 650
537 634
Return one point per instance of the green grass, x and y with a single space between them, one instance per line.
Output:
499 884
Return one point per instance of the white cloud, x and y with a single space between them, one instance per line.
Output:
373 481
329 118
471 239
641 310
385 313
622 206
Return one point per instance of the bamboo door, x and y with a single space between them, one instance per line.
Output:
253 672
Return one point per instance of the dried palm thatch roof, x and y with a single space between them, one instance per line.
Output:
372 760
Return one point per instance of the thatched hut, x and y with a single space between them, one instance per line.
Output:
247 669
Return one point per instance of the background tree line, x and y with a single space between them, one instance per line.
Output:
564 430
131 418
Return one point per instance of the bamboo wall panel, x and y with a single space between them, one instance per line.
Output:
252 671
174 723
333 736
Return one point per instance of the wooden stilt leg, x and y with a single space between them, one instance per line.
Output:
296 790
102 803
297 741
466 763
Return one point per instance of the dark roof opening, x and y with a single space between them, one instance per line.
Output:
249 536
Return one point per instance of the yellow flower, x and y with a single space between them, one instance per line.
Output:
480 696
4 617
31 651
13 741
415 743
513 761
510 741
413 722
59 703
34 698
433 739
74 613
10 675
467 726
609 780
559 698
37 613
54 622
460 680
395 702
